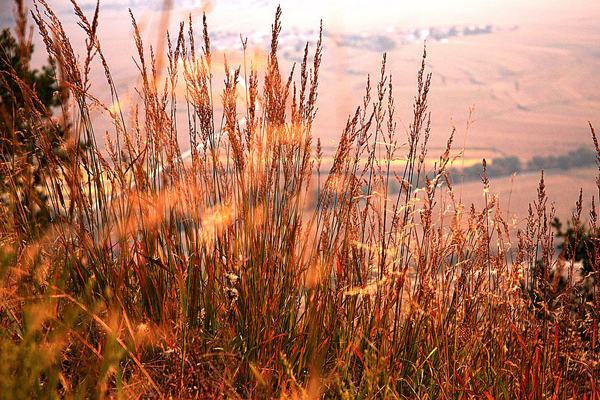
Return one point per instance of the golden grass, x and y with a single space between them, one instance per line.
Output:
248 270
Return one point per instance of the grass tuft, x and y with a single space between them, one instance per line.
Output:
243 267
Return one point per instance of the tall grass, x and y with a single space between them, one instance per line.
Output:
248 270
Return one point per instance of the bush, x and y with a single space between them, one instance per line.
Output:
30 139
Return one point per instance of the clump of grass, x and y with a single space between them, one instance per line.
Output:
242 270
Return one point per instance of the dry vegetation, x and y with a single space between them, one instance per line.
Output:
245 270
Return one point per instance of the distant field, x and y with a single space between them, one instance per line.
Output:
563 191
533 88
532 95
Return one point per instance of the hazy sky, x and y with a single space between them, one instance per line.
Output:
354 14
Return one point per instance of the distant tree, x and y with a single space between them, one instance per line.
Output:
27 133
581 157
504 166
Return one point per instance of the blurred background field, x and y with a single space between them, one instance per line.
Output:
529 68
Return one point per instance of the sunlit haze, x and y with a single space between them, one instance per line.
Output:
529 68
